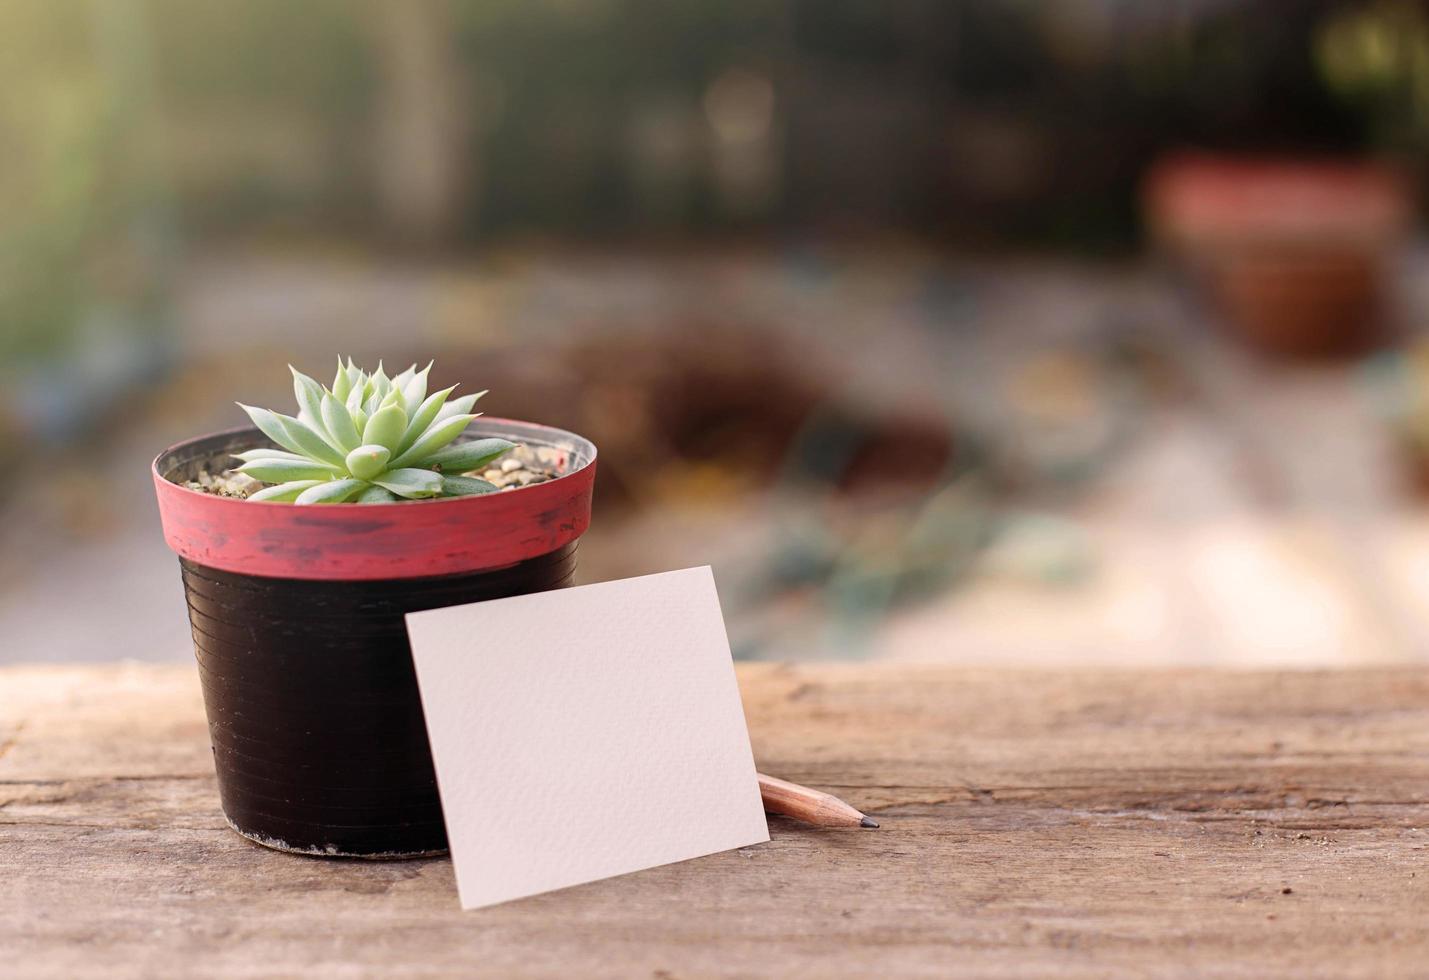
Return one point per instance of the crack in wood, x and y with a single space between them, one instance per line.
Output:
102 780
220 828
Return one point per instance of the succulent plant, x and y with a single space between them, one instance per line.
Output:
369 439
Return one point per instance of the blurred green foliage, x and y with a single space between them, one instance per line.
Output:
1377 56
56 124
122 120
264 108
562 84
85 237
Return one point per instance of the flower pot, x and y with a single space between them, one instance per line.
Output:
1295 253
297 614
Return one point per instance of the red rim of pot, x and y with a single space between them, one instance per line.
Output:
411 539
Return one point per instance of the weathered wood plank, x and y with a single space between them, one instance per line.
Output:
1069 823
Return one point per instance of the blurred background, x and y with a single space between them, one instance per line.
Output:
981 332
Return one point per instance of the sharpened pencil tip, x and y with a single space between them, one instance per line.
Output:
868 822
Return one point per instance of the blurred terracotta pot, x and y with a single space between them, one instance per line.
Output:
1296 253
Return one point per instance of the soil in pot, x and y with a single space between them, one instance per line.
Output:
521 467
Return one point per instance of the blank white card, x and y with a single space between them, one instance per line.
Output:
585 733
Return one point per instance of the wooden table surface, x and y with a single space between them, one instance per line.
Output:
1034 823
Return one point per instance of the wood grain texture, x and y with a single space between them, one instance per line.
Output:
1036 823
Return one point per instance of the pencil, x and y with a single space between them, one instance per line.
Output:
809 805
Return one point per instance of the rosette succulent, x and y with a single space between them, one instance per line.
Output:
369 439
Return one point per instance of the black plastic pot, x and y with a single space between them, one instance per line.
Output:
318 737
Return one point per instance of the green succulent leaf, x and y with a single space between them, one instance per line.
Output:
376 495
414 392
355 397
333 492
378 387
438 435
268 423
309 395
285 492
425 415
252 454
309 443
342 381
411 483
339 424
466 456
367 462
385 427
286 470
465 486
459 406
394 397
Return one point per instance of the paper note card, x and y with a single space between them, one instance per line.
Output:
585 733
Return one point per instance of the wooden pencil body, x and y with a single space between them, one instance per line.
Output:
808 805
